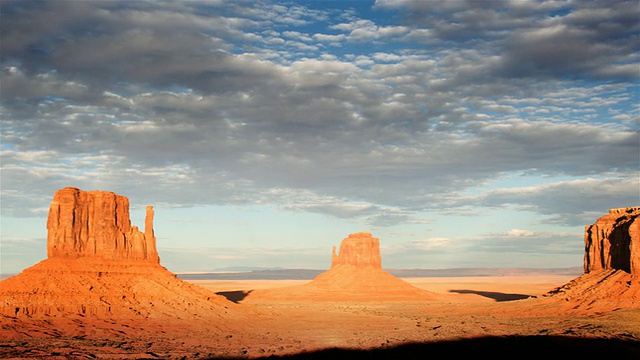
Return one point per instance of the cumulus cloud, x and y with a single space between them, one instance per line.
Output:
242 103
209 258
594 36
571 202
513 248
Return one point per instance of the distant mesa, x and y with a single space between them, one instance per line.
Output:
101 266
356 275
611 264
359 249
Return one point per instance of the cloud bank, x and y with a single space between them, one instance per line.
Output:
384 113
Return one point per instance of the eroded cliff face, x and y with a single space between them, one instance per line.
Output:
613 242
100 266
96 224
359 249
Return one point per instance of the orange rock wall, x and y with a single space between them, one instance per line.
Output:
359 249
96 224
613 242
99 266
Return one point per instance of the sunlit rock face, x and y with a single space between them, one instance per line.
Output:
613 242
356 275
359 249
96 224
611 277
100 266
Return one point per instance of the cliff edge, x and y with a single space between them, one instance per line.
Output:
611 277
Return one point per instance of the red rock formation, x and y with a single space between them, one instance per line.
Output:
613 242
359 249
96 224
611 277
101 266
597 291
356 275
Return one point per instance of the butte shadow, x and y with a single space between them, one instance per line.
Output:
356 275
497 296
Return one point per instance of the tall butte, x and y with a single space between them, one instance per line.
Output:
96 224
613 242
611 277
358 250
100 266
356 274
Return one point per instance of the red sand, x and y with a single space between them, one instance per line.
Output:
253 329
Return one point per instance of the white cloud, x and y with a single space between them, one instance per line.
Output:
328 38
520 233
384 121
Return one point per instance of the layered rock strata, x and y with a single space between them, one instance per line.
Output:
101 266
611 277
613 242
96 224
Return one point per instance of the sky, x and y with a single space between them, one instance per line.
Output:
459 133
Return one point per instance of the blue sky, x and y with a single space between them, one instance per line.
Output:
460 133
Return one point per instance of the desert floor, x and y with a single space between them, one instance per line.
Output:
504 317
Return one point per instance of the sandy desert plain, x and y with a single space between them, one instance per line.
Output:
473 316
122 304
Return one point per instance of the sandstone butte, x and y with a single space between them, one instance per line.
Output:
611 277
356 275
100 266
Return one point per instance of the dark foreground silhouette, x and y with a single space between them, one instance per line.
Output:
495 347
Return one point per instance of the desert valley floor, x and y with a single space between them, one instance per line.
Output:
102 293
501 316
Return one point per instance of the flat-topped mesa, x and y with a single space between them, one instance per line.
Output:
359 249
356 275
624 210
96 224
613 242
99 266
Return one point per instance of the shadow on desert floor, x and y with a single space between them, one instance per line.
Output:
494 347
235 296
497 296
